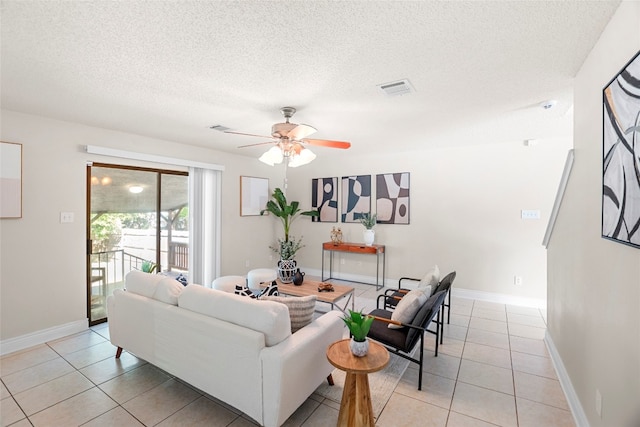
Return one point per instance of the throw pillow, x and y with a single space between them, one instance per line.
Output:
432 278
407 307
168 291
300 309
182 279
244 291
270 290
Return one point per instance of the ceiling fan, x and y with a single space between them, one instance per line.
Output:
289 139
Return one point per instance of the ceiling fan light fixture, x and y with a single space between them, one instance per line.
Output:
272 156
305 157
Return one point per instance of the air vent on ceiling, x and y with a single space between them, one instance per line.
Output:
219 128
400 87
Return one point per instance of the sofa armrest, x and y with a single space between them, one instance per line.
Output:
294 368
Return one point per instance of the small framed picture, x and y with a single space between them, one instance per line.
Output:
254 194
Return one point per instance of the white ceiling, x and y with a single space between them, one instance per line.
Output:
170 69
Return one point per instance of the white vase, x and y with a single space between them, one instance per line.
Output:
369 236
359 349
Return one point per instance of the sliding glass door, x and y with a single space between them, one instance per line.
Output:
137 219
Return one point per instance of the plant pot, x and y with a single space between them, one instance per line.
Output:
369 236
359 349
286 270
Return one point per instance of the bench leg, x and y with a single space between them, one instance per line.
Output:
330 379
118 352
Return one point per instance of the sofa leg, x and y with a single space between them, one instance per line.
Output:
330 379
118 352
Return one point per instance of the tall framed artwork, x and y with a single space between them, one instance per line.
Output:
392 198
324 198
10 180
356 197
621 156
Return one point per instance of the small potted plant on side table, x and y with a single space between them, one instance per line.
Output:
369 221
359 325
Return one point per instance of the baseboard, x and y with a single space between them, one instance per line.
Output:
368 280
579 416
499 298
40 337
455 291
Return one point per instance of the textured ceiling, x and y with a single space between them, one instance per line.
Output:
170 69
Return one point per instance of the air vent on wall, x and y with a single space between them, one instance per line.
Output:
400 87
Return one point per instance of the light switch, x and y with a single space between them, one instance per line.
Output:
530 214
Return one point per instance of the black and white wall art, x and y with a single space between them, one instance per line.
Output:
356 197
621 156
392 198
324 198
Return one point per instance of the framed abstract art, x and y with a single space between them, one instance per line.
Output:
324 198
621 156
356 197
392 198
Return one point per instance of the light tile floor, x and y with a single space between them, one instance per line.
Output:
493 370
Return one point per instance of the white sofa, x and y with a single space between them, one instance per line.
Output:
234 348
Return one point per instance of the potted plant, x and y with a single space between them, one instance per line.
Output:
148 266
369 221
287 212
359 325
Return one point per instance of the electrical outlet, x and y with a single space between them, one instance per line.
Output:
343 261
599 403
517 280
246 263
66 217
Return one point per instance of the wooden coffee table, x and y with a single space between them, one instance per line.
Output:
310 287
355 407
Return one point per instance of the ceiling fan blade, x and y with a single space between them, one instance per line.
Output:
328 143
246 134
301 131
253 145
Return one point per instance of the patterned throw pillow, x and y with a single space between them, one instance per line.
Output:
182 279
300 309
244 291
271 290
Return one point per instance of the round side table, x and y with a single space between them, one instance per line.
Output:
355 408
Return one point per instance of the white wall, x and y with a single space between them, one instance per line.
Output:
42 268
593 283
465 215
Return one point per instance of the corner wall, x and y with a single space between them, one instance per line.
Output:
593 283
42 262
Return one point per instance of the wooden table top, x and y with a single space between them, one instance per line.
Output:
310 287
339 355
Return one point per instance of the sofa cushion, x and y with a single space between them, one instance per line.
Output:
300 309
407 307
267 317
168 290
142 283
